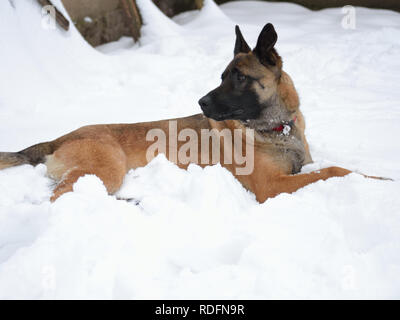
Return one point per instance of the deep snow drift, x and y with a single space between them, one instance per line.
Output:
198 233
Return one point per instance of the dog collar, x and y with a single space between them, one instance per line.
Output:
284 127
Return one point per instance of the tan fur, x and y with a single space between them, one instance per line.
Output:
287 92
5 165
118 148
11 159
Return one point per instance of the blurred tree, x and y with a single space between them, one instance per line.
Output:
173 7
102 21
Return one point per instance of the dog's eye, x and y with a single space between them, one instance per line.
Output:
240 77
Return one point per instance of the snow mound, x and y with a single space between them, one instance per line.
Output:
155 24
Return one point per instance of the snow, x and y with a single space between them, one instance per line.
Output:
199 233
88 19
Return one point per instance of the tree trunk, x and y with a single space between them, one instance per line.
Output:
102 21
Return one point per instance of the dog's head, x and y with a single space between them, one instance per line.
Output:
249 83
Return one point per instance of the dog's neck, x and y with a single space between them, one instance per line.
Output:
274 117
276 127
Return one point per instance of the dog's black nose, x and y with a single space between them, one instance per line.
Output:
205 102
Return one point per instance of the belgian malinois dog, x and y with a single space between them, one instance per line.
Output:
255 93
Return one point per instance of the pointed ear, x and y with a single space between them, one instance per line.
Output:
240 44
264 49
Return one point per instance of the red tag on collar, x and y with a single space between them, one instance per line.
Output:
281 127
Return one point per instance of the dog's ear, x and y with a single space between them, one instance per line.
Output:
264 49
240 44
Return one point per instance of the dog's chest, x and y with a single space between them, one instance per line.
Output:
288 151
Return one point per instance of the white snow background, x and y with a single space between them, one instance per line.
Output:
199 233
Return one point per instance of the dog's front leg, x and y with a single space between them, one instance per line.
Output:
291 183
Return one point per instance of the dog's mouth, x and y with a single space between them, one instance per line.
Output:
231 115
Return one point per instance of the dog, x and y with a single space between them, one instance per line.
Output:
255 95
